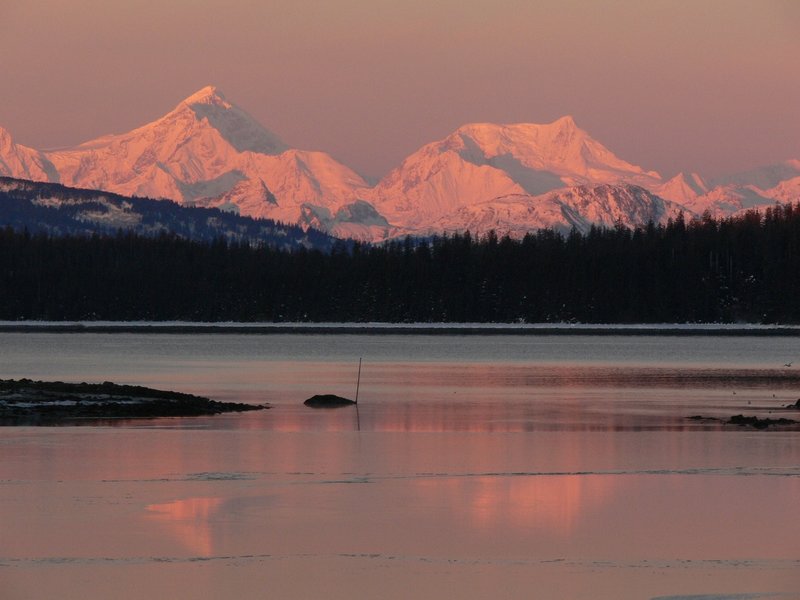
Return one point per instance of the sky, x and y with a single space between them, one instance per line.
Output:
711 86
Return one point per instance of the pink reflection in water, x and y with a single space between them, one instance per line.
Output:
189 520
555 505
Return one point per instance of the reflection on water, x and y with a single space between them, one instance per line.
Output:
563 468
437 383
490 397
536 504
190 521
508 397
471 503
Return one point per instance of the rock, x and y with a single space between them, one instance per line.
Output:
328 401
743 421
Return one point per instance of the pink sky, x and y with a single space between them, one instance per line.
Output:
671 85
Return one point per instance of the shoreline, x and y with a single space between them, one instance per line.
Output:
177 327
29 402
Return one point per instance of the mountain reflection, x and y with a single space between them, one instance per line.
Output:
544 503
189 520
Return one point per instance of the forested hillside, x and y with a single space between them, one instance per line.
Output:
60 210
737 269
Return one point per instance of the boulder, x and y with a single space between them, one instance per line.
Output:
328 401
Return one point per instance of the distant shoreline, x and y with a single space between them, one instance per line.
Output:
172 327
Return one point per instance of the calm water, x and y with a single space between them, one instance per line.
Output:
525 467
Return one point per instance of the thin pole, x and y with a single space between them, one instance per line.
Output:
358 384
358 381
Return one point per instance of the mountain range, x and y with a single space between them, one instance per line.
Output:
207 152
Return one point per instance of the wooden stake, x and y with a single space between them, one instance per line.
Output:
358 381
358 384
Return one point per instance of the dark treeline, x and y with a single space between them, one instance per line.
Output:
739 269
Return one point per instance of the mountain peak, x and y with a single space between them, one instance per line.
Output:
5 138
565 122
561 131
208 95
236 126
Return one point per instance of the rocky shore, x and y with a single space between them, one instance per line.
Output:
27 402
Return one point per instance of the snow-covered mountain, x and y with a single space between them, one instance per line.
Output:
786 191
684 188
577 207
20 161
735 193
205 152
480 162
508 178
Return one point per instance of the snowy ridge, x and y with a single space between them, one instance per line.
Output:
578 207
508 178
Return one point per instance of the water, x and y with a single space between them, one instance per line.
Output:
541 466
